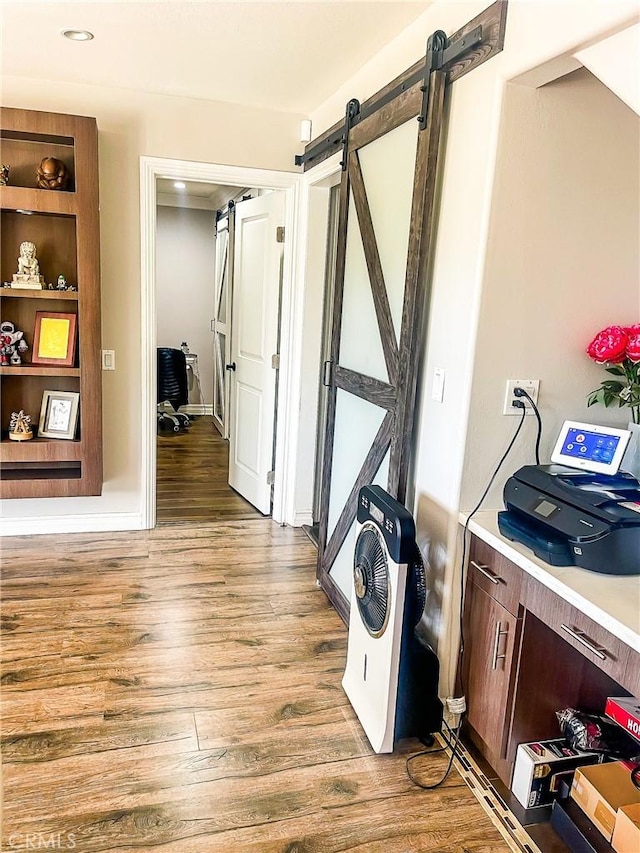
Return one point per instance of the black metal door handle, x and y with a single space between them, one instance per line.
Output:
231 366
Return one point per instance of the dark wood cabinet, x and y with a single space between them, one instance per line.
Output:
592 641
64 226
528 653
491 637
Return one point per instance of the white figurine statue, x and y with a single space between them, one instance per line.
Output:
28 275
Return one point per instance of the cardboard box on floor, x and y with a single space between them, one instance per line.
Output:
600 790
626 833
541 765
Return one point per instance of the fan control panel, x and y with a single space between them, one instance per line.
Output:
394 520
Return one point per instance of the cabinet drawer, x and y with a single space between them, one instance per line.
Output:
496 575
593 641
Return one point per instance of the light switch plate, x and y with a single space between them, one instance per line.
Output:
108 359
437 392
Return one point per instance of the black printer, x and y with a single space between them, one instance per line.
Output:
568 517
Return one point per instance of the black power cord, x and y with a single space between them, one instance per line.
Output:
520 392
465 530
456 737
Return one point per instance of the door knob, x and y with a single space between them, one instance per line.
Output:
231 366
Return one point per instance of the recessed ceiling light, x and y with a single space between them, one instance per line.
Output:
77 35
180 185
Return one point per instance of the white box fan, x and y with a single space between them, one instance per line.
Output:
391 676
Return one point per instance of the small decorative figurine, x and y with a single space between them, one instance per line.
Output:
52 174
28 275
4 175
12 344
20 426
62 283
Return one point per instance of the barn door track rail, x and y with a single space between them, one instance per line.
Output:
441 52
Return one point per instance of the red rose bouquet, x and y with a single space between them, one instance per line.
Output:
619 348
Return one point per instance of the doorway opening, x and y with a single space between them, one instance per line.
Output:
179 233
194 292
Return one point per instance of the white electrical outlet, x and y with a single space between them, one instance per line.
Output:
531 386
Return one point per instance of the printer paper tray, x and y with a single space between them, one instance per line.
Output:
551 549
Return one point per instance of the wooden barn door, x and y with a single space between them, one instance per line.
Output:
374 317
387 201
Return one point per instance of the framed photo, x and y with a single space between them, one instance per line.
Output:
54 339
59 414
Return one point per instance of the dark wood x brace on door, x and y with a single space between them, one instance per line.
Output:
377 323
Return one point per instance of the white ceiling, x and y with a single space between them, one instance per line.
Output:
287 56
196 194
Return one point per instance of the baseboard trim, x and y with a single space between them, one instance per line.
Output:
197 409
300 518
89 523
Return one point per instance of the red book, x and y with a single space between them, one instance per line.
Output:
625 710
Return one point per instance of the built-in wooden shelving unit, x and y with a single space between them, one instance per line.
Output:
64 226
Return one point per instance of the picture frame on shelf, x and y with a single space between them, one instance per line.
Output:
54 339
59 414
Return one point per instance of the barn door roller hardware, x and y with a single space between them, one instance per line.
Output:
351 114
439 54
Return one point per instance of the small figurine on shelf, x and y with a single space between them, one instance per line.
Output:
62 283
28 275
20 426
52 174
12 345
4 175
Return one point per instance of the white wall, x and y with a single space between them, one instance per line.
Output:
185 281
562 263
131 124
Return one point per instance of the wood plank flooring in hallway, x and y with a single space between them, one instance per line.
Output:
179 691
193 477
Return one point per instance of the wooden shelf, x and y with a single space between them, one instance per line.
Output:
36 370
39 201
18 293
65 228
40 450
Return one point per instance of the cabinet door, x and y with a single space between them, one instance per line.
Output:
491 635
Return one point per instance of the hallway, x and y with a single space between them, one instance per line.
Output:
192 477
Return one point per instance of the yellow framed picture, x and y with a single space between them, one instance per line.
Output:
54 340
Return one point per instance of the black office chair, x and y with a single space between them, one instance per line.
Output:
172 388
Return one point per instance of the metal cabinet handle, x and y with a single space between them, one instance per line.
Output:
580 637
484 570
496 645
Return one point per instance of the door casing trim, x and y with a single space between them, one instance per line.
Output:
292 295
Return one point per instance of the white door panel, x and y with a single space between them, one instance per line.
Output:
255 309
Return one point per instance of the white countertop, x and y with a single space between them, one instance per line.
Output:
612 601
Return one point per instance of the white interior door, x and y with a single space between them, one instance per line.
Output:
254 319
221 340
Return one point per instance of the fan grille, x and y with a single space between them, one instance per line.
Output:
417 586
371 581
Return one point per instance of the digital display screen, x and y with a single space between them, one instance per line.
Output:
594 446
545 508
376 513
